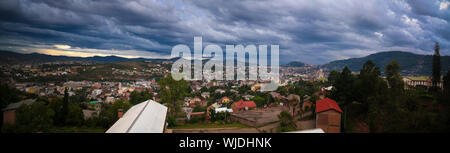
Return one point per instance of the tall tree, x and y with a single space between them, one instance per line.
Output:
137 97
345 83
65 105
436 76
172 92
333 77
286 121
369 81
446 84
394 78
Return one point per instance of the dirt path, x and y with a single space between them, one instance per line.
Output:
308 124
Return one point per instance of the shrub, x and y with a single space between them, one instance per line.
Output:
171 121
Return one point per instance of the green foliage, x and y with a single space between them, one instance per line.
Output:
171 121
65 106
409 62
394 78
212 115
108 114
436 73
199 108
137 97
172 92
286 128
259 101
36 117
221 116
56 105
365 98
75 116
196 119
446 84
8 95
286 120
333 77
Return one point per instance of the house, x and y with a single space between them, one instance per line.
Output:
145 117
420 81
221 91
248 97
205 95
110 99
89 113
95 104
187 101
328 115
195 101
243 105
225 100
9 113
255 87
275 95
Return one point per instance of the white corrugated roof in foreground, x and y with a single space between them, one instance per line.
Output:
317 130
145 117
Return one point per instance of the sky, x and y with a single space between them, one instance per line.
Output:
311 31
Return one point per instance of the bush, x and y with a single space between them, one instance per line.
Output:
194 120
199 108
171 121
286 129
36 117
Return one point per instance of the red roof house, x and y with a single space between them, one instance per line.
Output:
242 105
327 104
328 115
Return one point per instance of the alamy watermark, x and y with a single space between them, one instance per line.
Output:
258 67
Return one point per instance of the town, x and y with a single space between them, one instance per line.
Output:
76 96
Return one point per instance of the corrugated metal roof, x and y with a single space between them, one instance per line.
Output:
146 117
18 104
317 130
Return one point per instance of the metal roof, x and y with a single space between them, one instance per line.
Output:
317 130
18 104
145 117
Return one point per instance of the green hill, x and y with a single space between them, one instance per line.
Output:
410 64
296 64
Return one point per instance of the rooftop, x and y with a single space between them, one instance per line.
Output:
145 117
327 104
18 104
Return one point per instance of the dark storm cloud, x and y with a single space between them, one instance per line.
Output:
312 31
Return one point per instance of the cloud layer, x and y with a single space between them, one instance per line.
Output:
315 32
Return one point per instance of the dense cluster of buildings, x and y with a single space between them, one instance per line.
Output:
96 92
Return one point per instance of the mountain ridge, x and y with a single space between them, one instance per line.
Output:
9 57
410 63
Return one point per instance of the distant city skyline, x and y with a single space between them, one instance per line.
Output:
314 32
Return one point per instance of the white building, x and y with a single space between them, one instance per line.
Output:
146 117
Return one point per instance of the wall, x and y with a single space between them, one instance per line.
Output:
9 117
329 121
